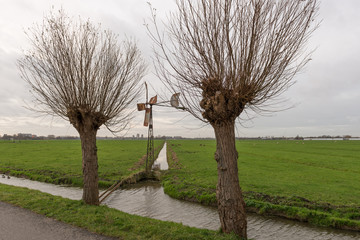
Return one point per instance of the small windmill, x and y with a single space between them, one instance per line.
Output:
148 121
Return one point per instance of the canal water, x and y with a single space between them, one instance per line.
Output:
148 199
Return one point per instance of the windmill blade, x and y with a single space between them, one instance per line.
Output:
147 117
174 100
153 100
141 106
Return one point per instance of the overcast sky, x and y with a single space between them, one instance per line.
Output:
326 96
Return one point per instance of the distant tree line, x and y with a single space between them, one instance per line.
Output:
29 136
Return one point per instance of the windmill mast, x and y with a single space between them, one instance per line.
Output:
150 158
150 144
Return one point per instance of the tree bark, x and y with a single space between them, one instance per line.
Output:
90 166
231 206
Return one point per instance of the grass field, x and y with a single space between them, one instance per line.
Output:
314 181
323 175
59 161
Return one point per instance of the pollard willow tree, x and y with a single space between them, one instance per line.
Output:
227 57
79 72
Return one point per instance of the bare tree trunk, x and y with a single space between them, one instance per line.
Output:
231 206
90 167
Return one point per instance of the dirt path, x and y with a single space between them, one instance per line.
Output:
21 224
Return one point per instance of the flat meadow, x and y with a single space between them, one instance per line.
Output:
59 161
312 181
319 175
325 171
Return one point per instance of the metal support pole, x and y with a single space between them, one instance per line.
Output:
150 144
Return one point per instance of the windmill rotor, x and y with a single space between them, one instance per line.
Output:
174 100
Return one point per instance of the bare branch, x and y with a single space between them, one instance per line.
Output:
246 52
77 69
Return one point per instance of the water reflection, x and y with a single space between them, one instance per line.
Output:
149 200
73 193
161 161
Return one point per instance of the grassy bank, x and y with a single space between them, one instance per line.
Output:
59 161
102 220
314 181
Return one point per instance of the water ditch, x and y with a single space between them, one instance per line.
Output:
149 200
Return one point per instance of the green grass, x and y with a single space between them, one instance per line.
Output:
59 161
321 171
101 219
320 176
314 181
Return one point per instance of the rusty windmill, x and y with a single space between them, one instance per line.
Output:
148 121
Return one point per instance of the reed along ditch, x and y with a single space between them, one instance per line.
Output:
149 200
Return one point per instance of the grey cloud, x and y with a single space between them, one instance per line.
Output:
326 94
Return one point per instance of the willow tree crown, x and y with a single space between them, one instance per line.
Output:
78 71
227 56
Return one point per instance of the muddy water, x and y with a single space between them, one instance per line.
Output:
73 193
149 200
